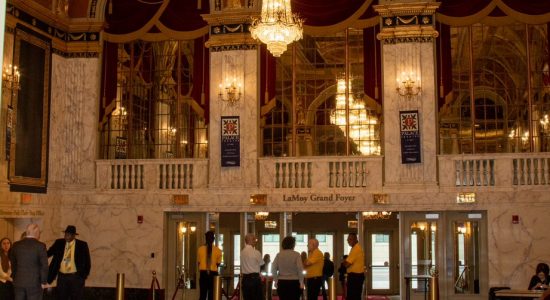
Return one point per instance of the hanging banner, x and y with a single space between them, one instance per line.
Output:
231 146
410 137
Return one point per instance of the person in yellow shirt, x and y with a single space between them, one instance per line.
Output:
355 268
314 269
209 258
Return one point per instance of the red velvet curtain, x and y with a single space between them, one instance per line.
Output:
125 16
461 8
201 75
372 63
268 73
323 13
444 63
109 82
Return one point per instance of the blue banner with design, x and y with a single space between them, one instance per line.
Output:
231 145
410 137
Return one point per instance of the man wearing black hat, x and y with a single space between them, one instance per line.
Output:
70 264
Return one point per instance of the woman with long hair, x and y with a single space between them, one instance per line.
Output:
540 280
209 258
6 282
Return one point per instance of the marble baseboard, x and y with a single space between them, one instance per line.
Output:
108 293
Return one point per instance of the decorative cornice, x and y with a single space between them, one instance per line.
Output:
231 17
82 39
413 39
230 30
407 22
407 9
76 54
233 47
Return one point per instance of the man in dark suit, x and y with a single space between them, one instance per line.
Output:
29 263
70 264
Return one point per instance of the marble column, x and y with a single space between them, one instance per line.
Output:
408 38
240 67
73 122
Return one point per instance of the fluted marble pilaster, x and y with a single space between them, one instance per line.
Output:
73 121
396 173
242 65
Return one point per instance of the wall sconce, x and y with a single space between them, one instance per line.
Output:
10 78
261 215
376 215
462 198
258 199
230 92
408 85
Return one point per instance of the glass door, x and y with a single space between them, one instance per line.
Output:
382 267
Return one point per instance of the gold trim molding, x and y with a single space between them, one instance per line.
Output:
407 9
407 22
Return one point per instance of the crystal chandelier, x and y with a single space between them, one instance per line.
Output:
362 126
277 26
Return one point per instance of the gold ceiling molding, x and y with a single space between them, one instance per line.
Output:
79 37
407 9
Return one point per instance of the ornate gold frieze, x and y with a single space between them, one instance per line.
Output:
230 30
77 37
407 9
407 22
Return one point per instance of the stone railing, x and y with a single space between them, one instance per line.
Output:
494 170
151 174
321 172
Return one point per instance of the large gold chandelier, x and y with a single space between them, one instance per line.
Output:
362 126
277 26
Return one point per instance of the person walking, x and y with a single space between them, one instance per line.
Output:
6 282
355 268
288 271
314 269
342 276
209 258
328 271
70 264
29 263
251 261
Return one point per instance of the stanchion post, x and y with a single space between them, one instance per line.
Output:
434 285
332 288
120 286
217 287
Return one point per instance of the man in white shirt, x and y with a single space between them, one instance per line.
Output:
251 261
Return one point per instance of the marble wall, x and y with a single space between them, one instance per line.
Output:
416 58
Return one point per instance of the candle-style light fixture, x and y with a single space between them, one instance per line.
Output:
277 27
10 78
230 92
377 215
261 215
408 85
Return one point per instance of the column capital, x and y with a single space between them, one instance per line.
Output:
407 22
230 30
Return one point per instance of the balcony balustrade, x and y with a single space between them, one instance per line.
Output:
456 173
